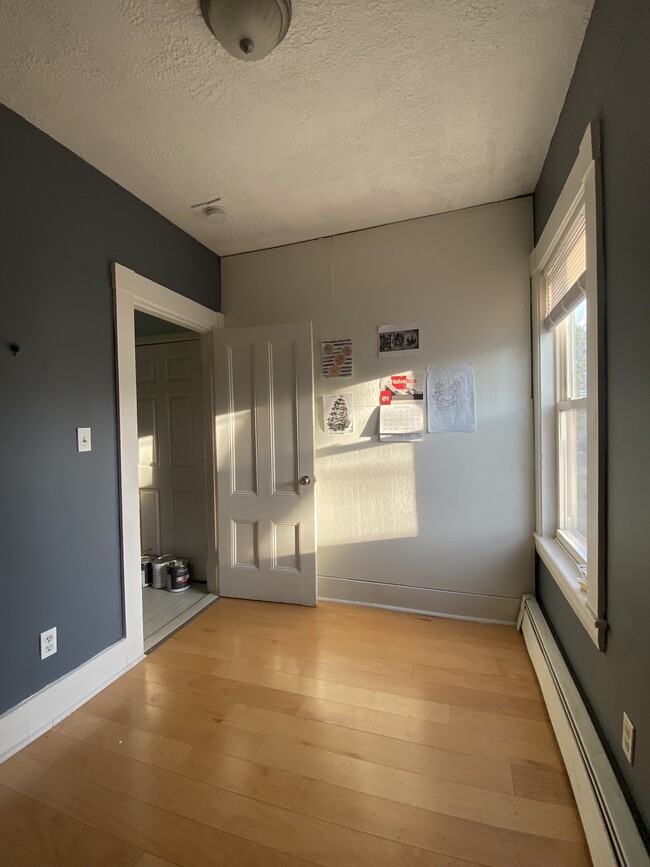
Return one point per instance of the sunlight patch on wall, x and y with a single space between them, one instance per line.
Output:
365 493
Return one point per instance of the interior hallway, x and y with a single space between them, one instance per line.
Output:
264 734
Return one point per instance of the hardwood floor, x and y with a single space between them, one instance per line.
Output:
268 735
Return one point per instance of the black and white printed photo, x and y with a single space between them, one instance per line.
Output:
397 340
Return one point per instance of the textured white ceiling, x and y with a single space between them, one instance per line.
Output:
370 111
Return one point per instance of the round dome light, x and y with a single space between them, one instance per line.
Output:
248 29
216 214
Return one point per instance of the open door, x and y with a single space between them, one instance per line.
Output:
171 470
265 463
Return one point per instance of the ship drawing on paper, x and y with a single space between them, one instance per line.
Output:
450 396
338 414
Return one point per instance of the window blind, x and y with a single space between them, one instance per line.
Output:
564 275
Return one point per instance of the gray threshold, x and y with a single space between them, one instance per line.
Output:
164 612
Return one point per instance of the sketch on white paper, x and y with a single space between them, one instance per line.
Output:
337 414
451 399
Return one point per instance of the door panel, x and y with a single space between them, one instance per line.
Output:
172 458
150 529
147 434
181 435
265 444
286 546
246 544
243 436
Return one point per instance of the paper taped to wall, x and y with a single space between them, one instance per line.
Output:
337 414
401 386
401 423
336 358
450 399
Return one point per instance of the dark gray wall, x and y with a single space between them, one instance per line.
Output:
61 225
612 82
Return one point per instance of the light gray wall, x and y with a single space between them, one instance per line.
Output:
612 82
452 513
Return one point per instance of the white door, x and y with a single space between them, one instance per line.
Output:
265 463
172 454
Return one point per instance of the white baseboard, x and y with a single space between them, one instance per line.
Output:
443 603
38 713
612 836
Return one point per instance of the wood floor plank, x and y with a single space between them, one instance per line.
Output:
514 686
393 622
542 784
483 844
295 665
428 643
12 855
445 654
416 790
446 737
237 775
228 648
409 623
516 666
218 647
149 860
256 694
476 771
272 610
194 704
263 824
57 838
506 705
166 834
511 704
263 735
177 726
313 687
215 636
536 730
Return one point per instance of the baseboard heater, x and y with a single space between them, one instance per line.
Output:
612 835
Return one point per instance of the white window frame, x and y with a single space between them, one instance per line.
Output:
581 188
563 403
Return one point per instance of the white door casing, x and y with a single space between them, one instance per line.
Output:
172 472
265 463
135 292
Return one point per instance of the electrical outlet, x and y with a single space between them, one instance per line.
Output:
48 642
629 734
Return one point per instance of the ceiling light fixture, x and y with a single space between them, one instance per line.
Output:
215 214
248 29
213 211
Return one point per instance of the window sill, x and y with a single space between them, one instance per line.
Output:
566 575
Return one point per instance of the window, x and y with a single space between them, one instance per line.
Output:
565 279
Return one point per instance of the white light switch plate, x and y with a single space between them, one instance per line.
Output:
83 439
